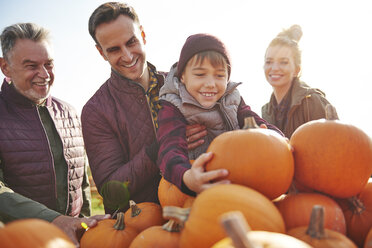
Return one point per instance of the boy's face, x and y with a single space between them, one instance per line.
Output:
204 82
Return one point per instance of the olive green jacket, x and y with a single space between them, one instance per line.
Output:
306 104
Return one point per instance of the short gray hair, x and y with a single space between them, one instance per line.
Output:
12 33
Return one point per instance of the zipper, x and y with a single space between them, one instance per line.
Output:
50 153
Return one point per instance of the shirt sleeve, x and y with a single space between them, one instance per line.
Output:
15 206
173 159
245 111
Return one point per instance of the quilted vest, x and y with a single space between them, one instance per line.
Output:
26 158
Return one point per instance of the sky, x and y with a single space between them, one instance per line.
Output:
336 44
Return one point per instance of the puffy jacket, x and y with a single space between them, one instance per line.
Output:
26 158
117 129
306 104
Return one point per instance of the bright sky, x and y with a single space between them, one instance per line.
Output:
336 44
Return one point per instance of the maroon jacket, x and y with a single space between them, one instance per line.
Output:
117 129
26 159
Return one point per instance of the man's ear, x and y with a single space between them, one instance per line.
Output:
99 48
5 67
143 34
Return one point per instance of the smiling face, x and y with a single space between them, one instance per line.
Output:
205 82
280 69
30 67
121 43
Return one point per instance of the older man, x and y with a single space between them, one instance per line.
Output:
42 157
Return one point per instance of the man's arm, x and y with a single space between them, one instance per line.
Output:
109 158
15 206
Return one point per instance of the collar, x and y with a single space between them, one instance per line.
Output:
12 95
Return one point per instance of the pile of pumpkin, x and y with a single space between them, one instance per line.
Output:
310 191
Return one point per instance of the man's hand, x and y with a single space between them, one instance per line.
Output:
197 179
194 135
72 226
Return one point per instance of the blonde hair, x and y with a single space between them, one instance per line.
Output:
290 38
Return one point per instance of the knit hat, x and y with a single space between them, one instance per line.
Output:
199 43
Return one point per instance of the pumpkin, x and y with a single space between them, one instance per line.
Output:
358 214
296 210
240 235
109 233
332 157
33 233
202 228
167 235
368 241
318 236
143 215
258 158
170 195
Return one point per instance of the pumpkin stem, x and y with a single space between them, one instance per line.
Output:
250 122
172 226
237 228
180 215
356 205
119 224
134 208
316 225
330 112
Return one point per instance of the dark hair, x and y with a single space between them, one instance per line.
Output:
108 12
290 38
12 33
214 57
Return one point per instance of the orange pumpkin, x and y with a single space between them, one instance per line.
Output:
109 233
170 195
332 157
368 241
202 228
256 157
33 233
358 214
318 236
240 235
296 210
143 215
167 235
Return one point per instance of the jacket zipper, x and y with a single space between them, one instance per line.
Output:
51 155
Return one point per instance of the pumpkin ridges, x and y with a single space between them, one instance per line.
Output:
317 236
150 214
211 203
340 166
252 152
170 195
105 234
358 214
302 203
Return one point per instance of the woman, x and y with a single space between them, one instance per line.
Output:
293 102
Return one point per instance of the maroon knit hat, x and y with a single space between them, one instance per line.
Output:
199 43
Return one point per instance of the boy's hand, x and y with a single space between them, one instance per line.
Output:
197 179
194 135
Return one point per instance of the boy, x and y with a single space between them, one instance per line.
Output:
197 90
